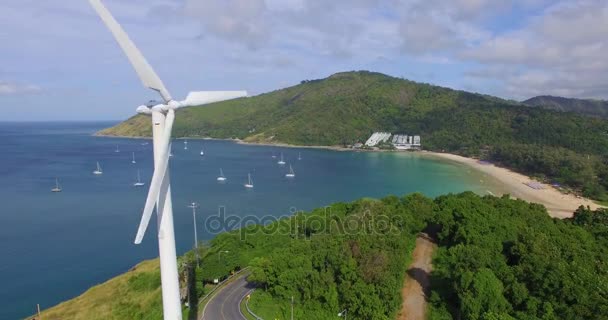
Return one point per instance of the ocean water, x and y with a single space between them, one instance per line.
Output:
53 246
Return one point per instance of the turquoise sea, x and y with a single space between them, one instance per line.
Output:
56 245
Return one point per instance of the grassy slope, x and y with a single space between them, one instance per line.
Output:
118 298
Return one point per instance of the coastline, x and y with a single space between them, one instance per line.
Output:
558 204
505 181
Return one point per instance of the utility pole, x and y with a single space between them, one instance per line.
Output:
193 205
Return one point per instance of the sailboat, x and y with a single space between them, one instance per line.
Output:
202 151
138 183
299 155
291 174
57 188
274 156
117 150
221 178
281 162
133 161
249 183
98 170
185 144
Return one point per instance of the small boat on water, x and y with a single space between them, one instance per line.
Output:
133 161
57 187
138 182
117 150
221 178
249 183
299 155
98 171
281 161
185 144
291 174
202 152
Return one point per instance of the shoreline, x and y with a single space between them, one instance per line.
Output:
558 204
504 181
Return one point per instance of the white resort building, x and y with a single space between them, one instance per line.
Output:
377 137
399 141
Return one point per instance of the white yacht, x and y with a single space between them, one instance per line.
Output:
57 187
249 183
221 178
291 174
281 161
98 170
138 183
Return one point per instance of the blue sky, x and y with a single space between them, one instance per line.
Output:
58 62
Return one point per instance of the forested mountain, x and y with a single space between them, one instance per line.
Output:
590 107
347 107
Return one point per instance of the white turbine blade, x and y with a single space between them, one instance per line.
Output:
145 72
160 170
197 98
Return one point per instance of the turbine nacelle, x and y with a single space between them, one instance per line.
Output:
195 98
160 107
143 110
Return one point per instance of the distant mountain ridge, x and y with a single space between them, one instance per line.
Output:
589 107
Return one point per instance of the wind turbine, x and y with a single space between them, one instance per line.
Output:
159 194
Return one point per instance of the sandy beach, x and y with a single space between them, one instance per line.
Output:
558 204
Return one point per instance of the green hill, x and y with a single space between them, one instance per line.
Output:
347 107
589 107
342 108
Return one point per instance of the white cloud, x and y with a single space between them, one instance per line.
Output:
10 88
561 51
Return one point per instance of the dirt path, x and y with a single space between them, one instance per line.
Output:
417 285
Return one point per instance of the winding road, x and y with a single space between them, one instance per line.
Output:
225 304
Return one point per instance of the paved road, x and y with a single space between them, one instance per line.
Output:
225 304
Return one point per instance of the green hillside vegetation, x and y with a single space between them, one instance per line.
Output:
506 259
344 108
589 107
497 258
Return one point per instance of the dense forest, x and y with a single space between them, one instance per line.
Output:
497 258
565 148
505 259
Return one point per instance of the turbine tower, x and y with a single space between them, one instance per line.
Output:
159 194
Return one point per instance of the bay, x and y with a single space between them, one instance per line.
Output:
54 246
